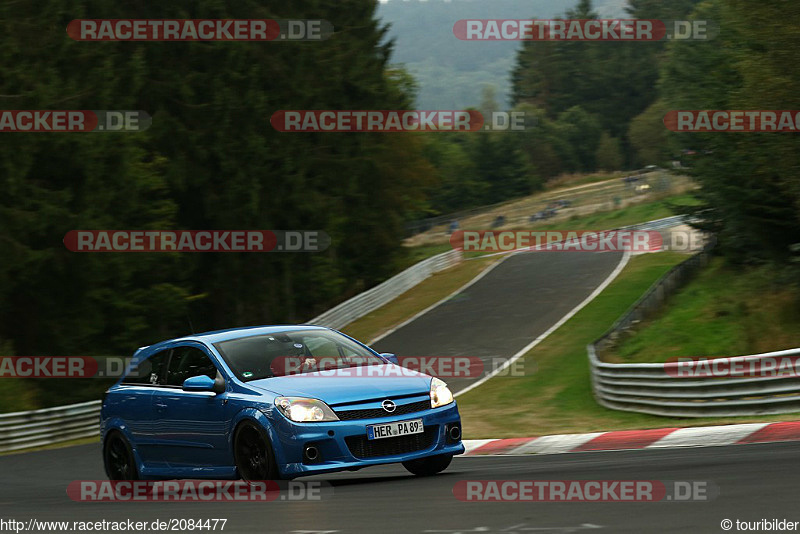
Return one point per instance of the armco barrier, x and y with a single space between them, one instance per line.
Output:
649 388
372 299
633 387
24 430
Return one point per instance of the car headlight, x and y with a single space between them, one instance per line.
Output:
302 410
440 393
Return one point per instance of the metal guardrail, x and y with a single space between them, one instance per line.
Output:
658 224
648 388
643 388
517 211
372 299
25 430
37 428
658 388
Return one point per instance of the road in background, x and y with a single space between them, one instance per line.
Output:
504 311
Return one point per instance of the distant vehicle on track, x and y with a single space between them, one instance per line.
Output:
543 215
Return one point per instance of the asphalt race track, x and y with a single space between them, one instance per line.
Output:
494 318
755 482
505 310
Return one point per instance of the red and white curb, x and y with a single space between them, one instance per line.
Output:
658 438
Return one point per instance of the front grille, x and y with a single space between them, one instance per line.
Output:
402 409
361 447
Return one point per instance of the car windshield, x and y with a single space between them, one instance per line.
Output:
290 353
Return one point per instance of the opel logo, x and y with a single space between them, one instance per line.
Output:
389 406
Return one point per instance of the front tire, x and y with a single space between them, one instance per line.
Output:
428 466
252 452
118 459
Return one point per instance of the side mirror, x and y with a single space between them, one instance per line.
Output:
219 384
391 357
199 383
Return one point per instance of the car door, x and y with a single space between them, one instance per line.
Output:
192 425
132 402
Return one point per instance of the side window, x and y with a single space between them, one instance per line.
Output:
352 357
320 347
187 362
149 372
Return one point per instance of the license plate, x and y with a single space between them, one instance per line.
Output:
391 430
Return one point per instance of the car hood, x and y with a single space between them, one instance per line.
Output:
383 381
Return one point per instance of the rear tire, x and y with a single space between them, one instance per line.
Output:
118 459
252 453
431 465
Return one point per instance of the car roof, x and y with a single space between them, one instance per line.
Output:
217 336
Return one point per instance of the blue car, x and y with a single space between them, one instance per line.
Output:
257 404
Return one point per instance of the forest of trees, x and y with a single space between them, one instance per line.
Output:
589 101
750 183
600 106
452 73
589 94
210 160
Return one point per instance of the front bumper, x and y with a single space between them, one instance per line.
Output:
338 453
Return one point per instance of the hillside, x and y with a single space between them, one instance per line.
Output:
452 73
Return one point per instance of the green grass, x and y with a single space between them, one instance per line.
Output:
16 395
26 394
574 180
633 214
20 394
604 220
422 252
607 220
70 443
723 311
441 285
554 395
